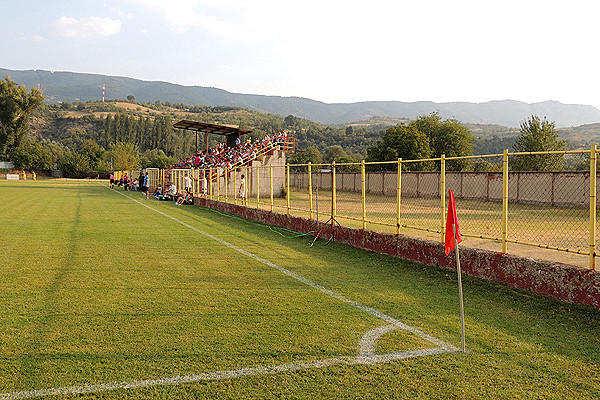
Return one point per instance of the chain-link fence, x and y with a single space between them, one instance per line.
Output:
498 202
552 209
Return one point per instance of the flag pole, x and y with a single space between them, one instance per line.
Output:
460 291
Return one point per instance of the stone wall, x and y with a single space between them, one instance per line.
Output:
561 281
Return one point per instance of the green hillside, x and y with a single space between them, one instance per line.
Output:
77 87
80 136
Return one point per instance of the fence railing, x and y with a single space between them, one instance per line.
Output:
496 205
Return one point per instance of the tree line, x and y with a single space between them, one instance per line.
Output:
72 137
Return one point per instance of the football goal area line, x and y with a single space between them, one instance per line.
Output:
366 353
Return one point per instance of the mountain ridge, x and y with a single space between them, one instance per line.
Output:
61 86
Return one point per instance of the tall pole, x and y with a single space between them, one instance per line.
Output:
364 194
287 172
257 187
271 184
504 200
333 193
310 193
443 192
398 195
593 183
460 291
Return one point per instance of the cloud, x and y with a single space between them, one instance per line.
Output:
226 18
87 27
38 39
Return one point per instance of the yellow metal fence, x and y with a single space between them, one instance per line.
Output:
495 205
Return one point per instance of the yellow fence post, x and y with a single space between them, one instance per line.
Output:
333 194
210 182
246 188
287 172
226 182
203 183
443 196
218 185
310 193
271 184
398 195
505 201
364 194
593 171
257 186
235 186
194 184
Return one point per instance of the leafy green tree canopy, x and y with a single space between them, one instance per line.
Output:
16 106
74 165
426 137
538 135
401 141
312 155
125 156
334 153
156 158
448 137
32 155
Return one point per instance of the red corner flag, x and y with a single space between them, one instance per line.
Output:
450 220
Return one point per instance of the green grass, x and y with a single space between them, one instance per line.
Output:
97 288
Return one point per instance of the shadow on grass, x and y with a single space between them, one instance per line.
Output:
48 305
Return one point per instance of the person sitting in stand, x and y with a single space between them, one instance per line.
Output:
172 192
158 191
185 198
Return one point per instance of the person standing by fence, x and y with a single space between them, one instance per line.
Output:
146 185
242 191
187 183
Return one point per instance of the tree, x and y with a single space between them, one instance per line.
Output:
93 152
401 141
538 135
334 153
16 106
312 155
156 158
426 137
75 165
125 156
446 137
31 155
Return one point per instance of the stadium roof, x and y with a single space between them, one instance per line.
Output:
210 128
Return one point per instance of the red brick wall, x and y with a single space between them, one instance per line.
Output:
565 282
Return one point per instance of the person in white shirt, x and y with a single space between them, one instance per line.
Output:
187 183
242 191
172 193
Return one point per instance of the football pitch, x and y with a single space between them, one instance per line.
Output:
104 294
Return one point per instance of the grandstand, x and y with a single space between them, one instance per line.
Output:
225 163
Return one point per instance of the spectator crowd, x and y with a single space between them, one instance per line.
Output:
220 158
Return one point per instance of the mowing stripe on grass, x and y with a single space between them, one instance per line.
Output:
366 347
362 307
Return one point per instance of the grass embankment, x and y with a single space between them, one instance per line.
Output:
97 288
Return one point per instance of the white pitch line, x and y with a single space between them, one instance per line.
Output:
366 346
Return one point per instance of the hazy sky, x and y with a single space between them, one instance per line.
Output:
332 51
